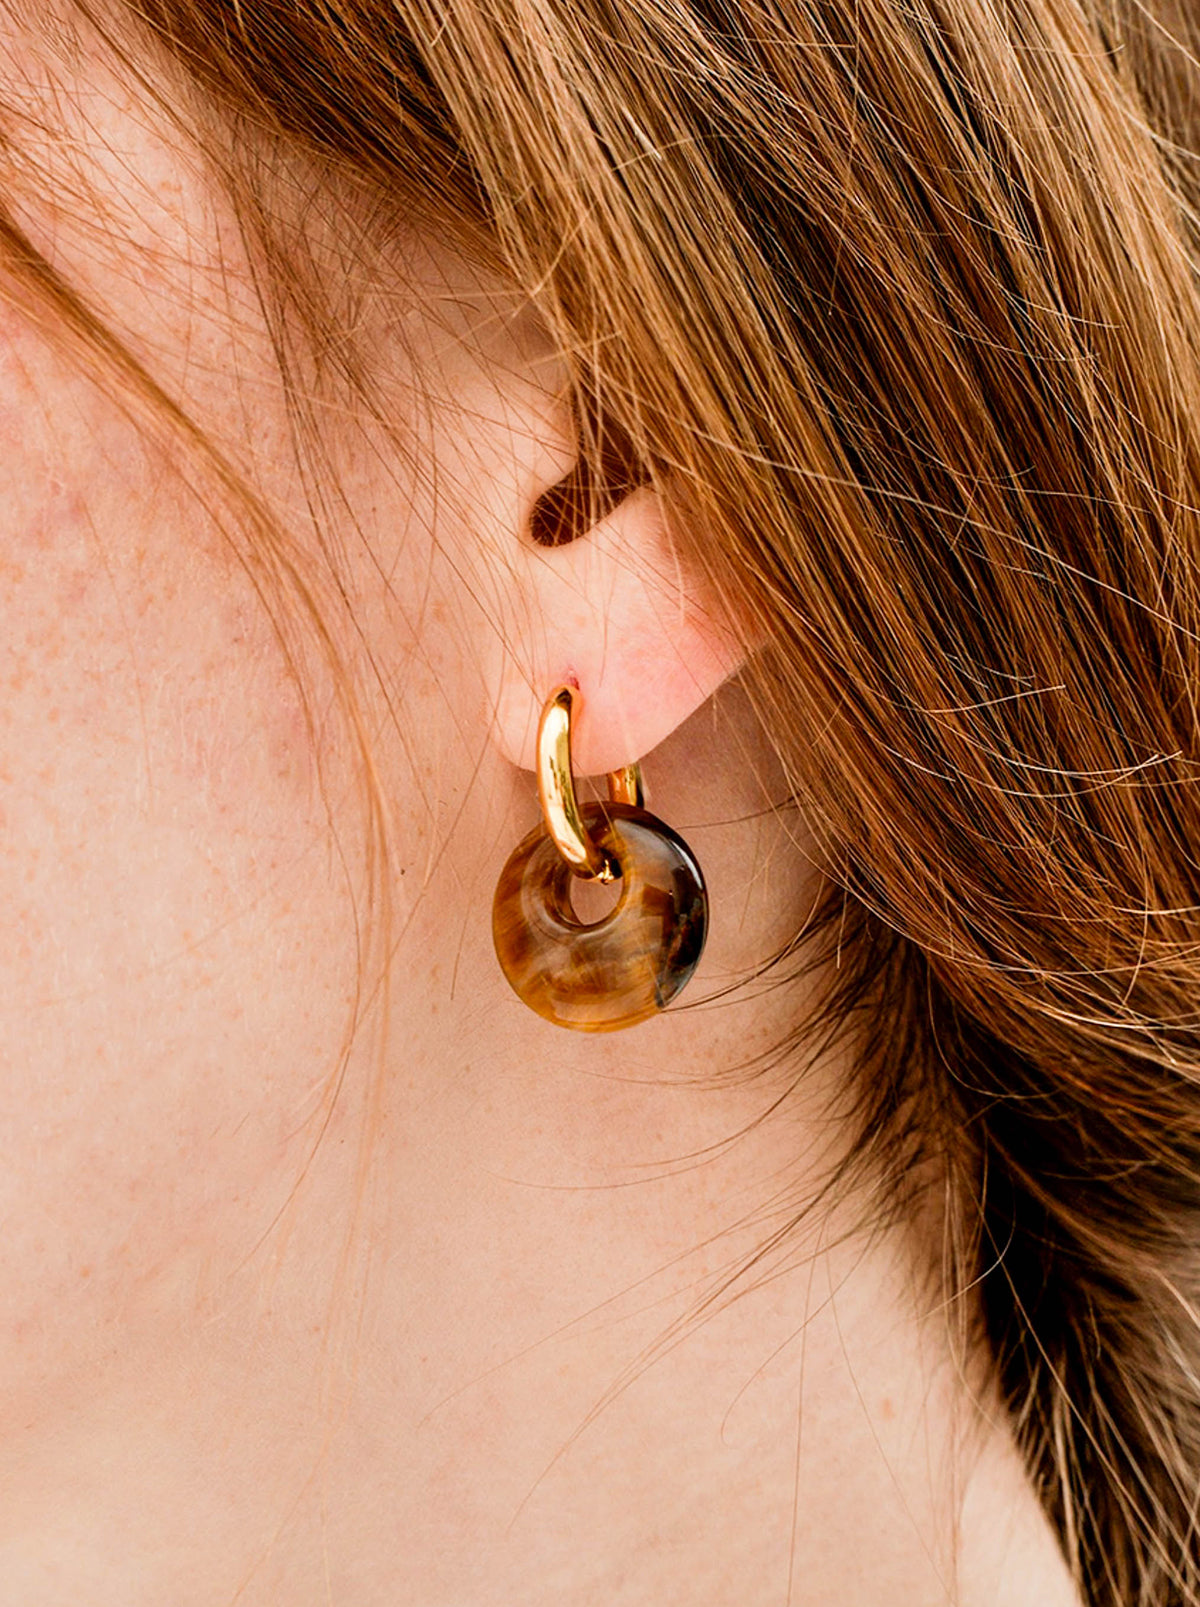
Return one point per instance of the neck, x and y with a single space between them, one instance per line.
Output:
531 1377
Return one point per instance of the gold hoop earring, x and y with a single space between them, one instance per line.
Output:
600 975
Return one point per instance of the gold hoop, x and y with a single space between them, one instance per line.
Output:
556 789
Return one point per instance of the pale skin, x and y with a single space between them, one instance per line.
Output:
245 1356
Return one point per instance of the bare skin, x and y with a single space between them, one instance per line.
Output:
246 1354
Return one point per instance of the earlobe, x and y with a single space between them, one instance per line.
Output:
615 614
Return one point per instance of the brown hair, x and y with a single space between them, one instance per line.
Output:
896 306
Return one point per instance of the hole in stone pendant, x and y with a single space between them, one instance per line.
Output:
591 901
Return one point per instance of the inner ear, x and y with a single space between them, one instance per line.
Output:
605 472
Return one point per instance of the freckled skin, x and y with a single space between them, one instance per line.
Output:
432 1311
625 968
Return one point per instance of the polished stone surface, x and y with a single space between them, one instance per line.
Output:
624 968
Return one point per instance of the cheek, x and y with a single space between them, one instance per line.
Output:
167 1017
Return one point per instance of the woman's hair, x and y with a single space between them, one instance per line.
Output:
896 306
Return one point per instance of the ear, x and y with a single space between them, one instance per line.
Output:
614 613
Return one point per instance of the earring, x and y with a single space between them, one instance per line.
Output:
600 975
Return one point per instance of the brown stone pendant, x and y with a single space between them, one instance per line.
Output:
623 968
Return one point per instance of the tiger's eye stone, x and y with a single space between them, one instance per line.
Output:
601 975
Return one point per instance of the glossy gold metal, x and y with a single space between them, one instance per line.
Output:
556 789
625 786
600 975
